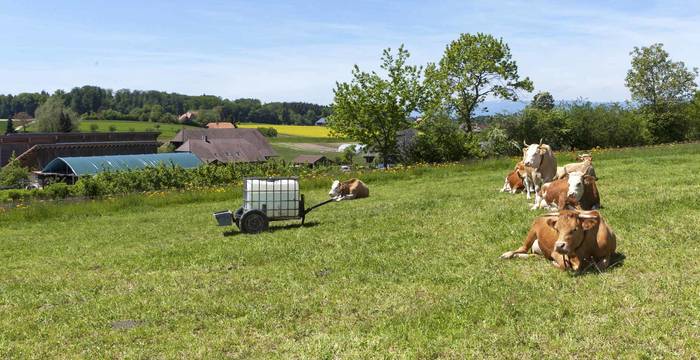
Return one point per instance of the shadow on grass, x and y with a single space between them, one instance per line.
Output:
308 224
616 261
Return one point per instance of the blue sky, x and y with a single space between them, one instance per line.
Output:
285 51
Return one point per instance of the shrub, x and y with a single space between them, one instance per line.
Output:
112 128
94 127
268 131
497 143
57 190
441 140
14 175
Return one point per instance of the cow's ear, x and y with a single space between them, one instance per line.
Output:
552 222
589 224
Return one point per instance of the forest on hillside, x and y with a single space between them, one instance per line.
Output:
93 102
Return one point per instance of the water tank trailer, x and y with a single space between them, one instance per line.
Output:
264 200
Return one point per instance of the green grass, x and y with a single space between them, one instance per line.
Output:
411 272
167 131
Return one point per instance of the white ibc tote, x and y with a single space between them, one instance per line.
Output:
280 197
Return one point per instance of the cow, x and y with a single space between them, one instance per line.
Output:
350 189
570 239
585 166
513 183
528 174
541 158
576 190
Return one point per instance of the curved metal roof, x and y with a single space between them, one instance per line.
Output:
90 165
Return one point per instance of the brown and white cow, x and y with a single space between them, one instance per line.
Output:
585 166
574 191
570 239
513 183
514 180
350 189
541 158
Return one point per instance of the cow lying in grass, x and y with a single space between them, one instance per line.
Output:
585 166
573 240
346 190
574 191
514 181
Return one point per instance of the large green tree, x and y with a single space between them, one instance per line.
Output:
662 87
472 69
54 116
371 108
543 101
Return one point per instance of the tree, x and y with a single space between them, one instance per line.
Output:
473 68
661 86
23 119
10 129
53 116
13 174
371 109
543 101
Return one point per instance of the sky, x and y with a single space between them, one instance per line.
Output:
296 51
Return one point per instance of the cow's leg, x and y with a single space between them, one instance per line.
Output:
558 261
522 251
506 186
527 186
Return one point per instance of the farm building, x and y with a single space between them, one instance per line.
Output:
311 160
35 150
222 150
321 122
69 169
224 145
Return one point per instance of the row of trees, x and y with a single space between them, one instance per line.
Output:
93 102
372 108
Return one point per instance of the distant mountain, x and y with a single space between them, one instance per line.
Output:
493 107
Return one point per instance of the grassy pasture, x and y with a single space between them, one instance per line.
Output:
167 131
411 272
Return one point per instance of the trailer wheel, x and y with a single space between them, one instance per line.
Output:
253 222
237 216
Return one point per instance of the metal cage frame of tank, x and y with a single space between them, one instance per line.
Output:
254 217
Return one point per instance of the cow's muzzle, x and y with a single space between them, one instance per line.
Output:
561 247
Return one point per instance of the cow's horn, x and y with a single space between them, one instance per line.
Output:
552 214
524 143
541 141
587 215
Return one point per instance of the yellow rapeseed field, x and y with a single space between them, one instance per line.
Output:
294 130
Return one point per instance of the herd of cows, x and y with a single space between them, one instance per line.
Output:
575 236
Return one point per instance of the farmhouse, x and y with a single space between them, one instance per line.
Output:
321 122
311 160
224 145
35 150
69 169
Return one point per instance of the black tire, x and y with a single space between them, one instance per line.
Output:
253 222
237 217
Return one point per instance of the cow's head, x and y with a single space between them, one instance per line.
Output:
576 188
532 154
584 157
335 189
571 227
